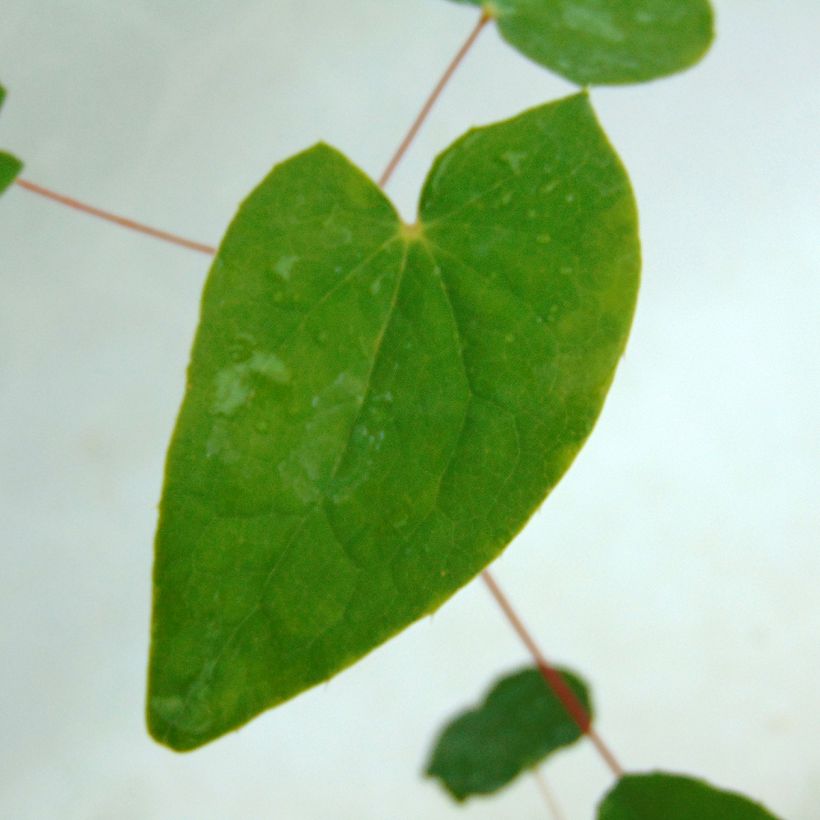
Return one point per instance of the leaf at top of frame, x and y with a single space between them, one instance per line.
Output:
10 166
662 796
373 409
520 723
606 42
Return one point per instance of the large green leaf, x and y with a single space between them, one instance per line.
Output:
10 166
520 723
661 796
374 410
605 42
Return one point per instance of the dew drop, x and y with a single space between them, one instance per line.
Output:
234 385
285 265
514 159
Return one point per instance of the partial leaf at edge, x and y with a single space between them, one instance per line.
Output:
519 724
374 410
662 796
10 166
606 42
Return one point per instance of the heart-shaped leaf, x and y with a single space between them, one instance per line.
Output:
605 42
10 166
374 410
520 723
661 796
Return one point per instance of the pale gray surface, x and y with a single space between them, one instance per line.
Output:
676 566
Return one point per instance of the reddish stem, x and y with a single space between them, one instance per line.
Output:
133 225
431 100
117 220
570 702
574 707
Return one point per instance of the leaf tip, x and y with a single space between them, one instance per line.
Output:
165 720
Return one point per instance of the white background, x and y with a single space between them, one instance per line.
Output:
677 564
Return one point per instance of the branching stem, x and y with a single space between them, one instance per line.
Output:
133 225
574 708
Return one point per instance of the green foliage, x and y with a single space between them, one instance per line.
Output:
519 724
10 166
605 42
374 410
661 796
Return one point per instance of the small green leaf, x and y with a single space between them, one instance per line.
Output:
519 724
374 410
10 166
661 796
606 42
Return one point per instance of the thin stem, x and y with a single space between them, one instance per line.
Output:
546 793
431 100
117 220
574 707
165 236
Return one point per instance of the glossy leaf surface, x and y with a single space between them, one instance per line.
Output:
661 796
10 166
374 410
519 724
606 42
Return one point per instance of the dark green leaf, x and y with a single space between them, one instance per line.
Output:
519 724
374 410
606 42
10 166
661 796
